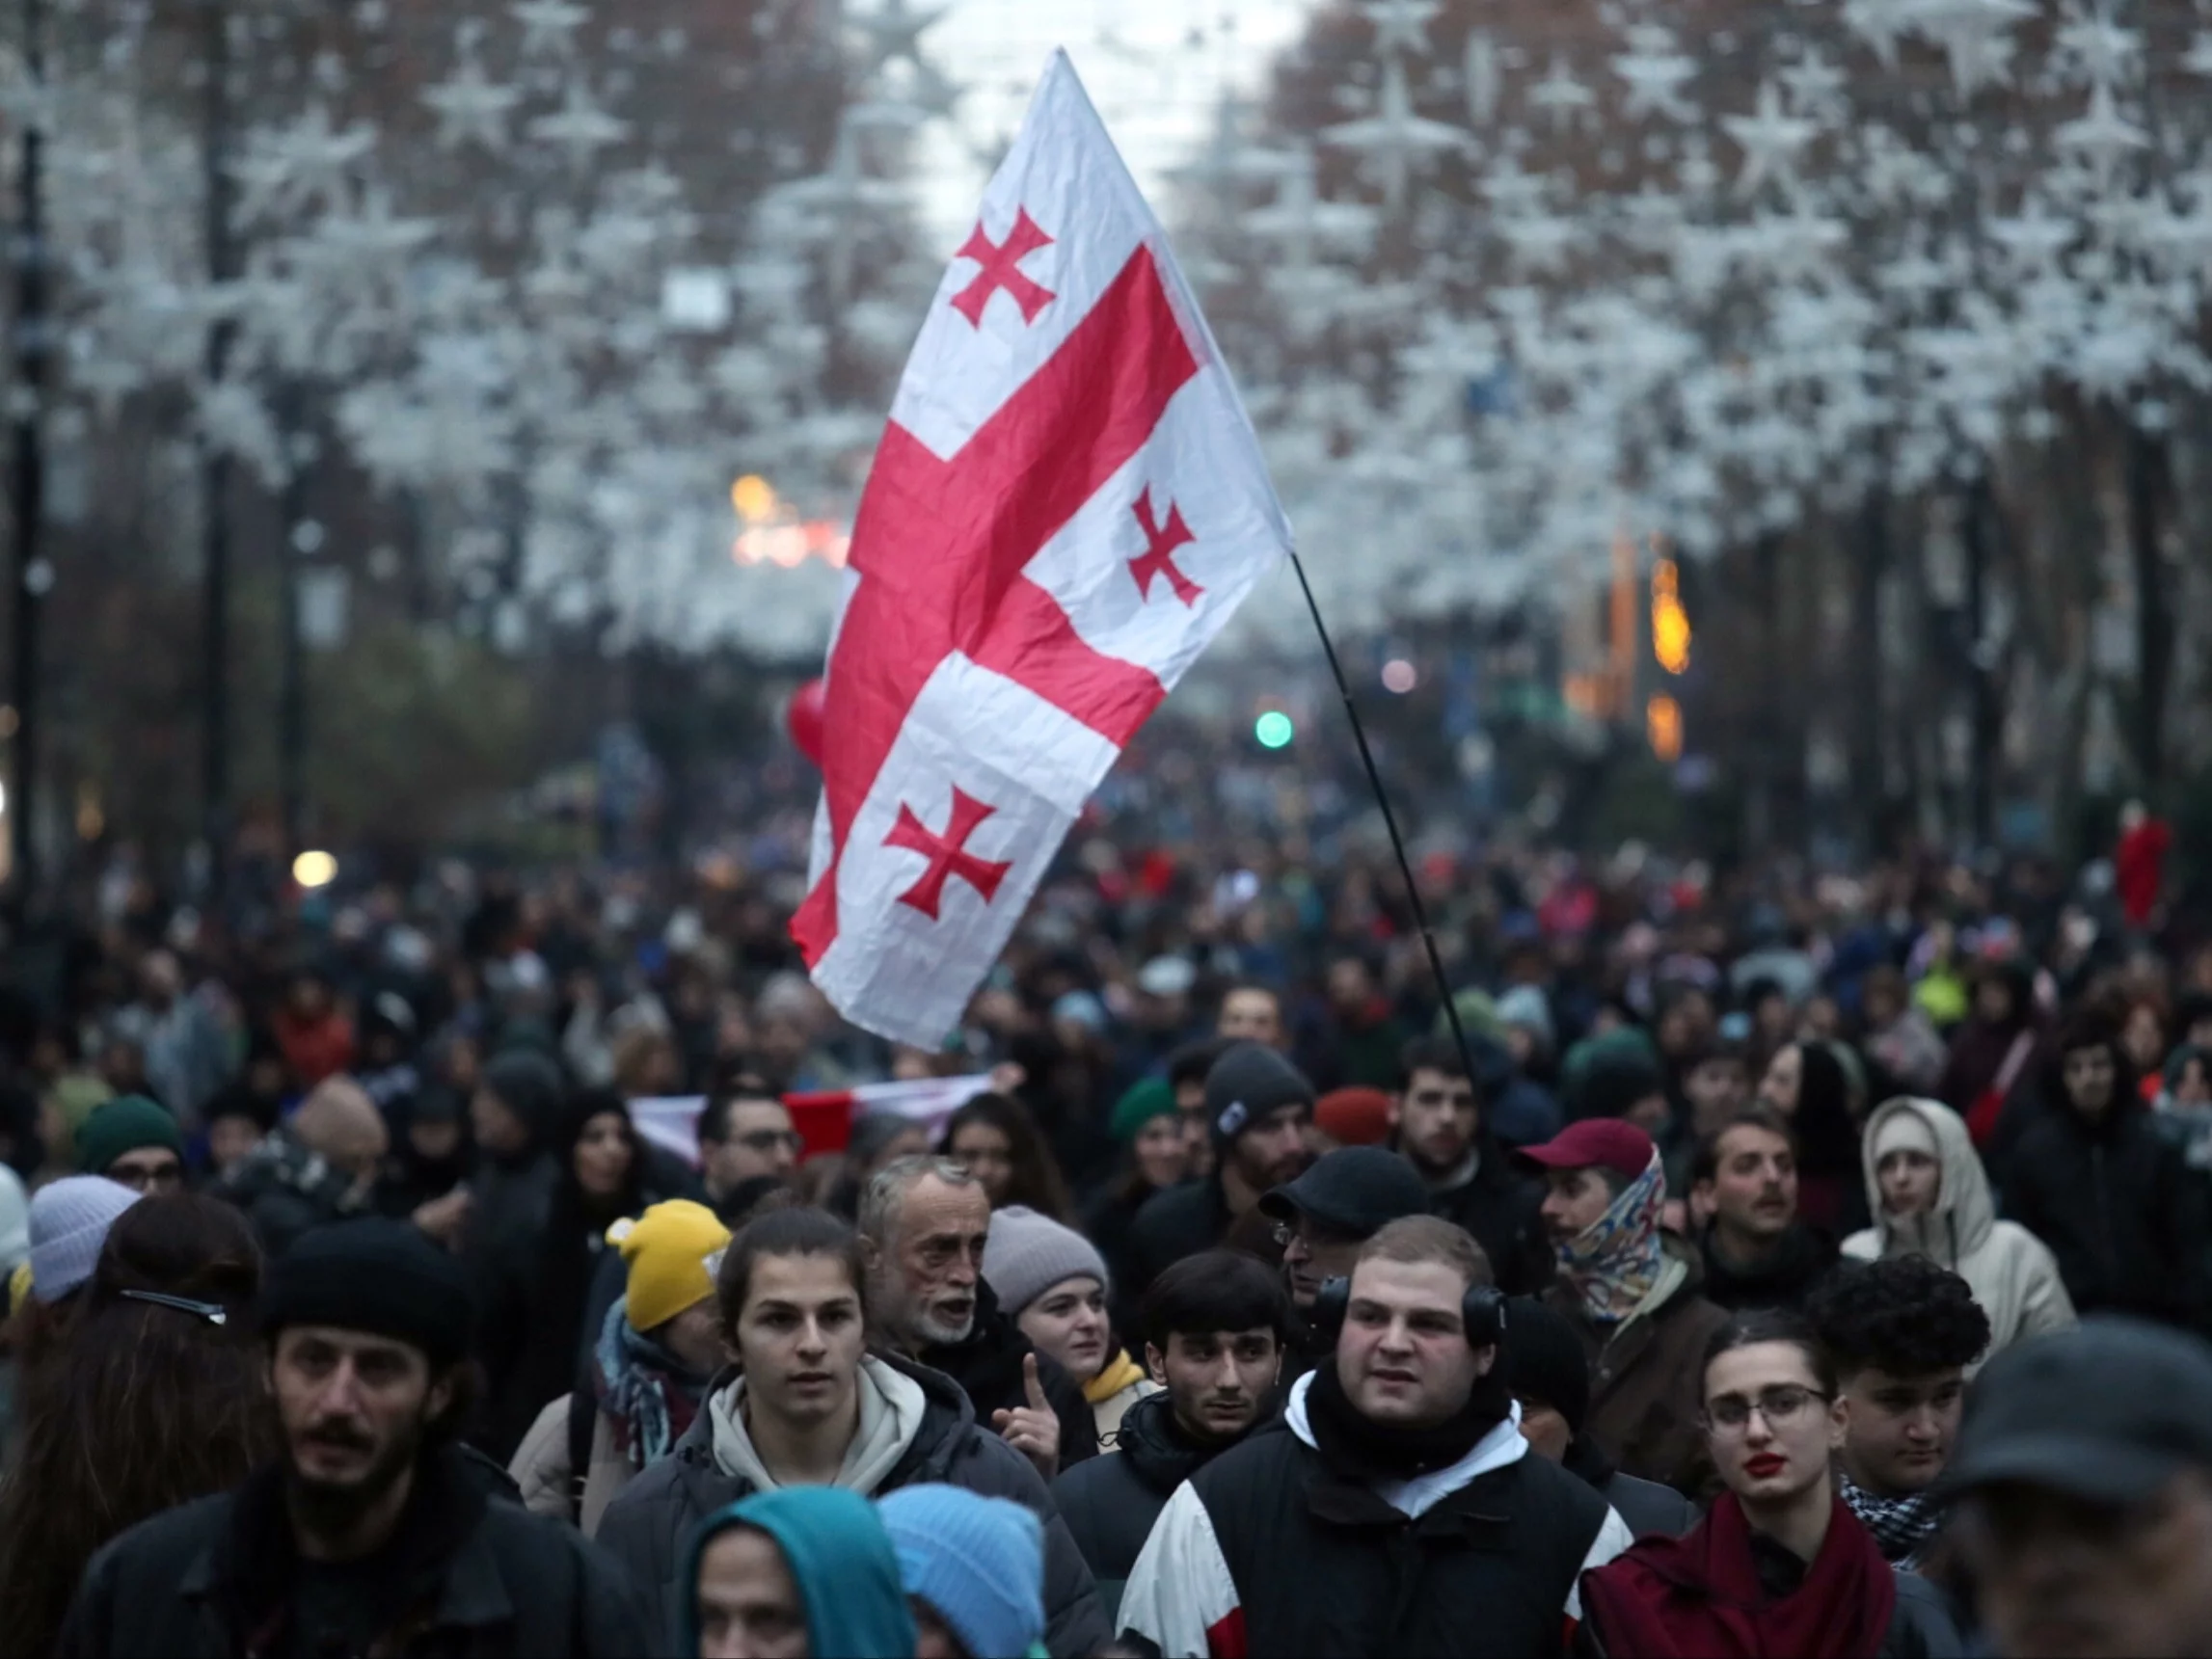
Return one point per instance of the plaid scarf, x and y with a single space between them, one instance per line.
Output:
648 1394
1901 1526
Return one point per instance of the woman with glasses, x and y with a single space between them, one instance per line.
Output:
1779 1568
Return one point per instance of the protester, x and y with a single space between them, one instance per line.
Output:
1631 1300
1345 1529
1990 1078
1902 1333
1440 1126
746 1135
804 1404
1779 1567
1550 1376
373 1531
1258 1106
313 1029
1146 1123
135 1142
67 1226
973 1569
805 1572
1322 1220
154 1399
1931 1198
540 1311
1251 1014
1215 1328
426 1177
657 1349
1053 1283
1808 1085
877 1140
514 1118
318 1167
237 1120
1756 1250
997 1142
2092 1177
1899 1038
1188 1068
925 1224
2079 1494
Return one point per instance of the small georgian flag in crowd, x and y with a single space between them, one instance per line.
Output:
823 1119
1067 505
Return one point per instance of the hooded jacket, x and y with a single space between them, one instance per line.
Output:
2011 1273
920 1429
840 1559
2120 1208
1268 1549
1111 1502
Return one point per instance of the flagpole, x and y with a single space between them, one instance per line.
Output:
1390 823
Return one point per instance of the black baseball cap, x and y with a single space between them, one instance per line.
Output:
1356 1190
2106 1412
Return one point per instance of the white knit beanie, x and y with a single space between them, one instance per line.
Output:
69 1222
1027 1253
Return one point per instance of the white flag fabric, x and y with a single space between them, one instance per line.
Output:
1067 504
824 1119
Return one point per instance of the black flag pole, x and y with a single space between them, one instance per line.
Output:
1390 823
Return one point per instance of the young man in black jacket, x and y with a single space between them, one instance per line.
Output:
1214 1328
376 1533
1395 1508
1437 1122
2112 1198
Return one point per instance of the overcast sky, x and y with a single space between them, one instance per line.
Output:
1154 67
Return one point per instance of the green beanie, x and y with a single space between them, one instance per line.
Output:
1153 1098
123 1125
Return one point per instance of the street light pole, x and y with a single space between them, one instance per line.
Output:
28 483
215 465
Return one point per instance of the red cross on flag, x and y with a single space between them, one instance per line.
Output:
1067 504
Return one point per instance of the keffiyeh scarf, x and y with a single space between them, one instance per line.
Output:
1901 1526
1614 1262
647 1392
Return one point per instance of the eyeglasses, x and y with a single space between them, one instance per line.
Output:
1314 1238
772 1141
140 1178
214 1313
1731 1413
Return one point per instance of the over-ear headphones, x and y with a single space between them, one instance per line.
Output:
1481 1311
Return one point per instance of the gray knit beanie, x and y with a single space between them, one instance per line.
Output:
1027 1253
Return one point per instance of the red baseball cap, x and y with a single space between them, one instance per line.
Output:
1596 1143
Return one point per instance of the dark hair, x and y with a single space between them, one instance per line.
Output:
1214 1290
1828 1134
1905 1315
1035 1180
1756 1325
1706 1165
2093 1029
144 1407
1430 1053
791 1231
715 1121
1191 1062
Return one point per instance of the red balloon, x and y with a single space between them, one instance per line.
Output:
803 719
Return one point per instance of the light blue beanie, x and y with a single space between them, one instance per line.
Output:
979 1561
69 1222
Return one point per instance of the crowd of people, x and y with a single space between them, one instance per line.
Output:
1781 1267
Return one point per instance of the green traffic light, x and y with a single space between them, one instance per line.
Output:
1273 730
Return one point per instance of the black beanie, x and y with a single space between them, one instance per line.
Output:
1544 1359
1250 1081
377 1276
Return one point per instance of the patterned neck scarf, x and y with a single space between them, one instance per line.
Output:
650 1394
1901 1526
1615 1261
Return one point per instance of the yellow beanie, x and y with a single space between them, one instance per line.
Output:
672 1251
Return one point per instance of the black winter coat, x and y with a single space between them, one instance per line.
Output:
1643 1506
2120 1208
988 1366
1499 1206
645 1527
1180 1222
1111 1502
1782 1281
484 1579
